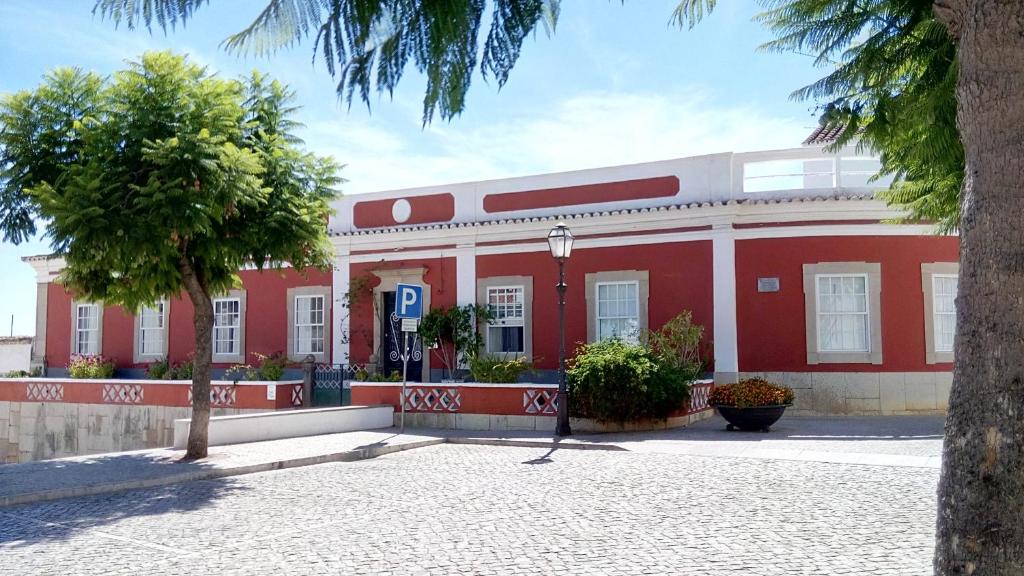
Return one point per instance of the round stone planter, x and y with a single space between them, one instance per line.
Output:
751 419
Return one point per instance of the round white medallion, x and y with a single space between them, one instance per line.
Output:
401 210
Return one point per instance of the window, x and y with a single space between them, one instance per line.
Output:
618 311
939 282
309 321
227 327
944 306
506 332
510 301
617 304
87 329
152 340
309 324
843 313
842 307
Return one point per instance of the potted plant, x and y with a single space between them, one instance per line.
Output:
751 404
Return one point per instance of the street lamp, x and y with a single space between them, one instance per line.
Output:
560 241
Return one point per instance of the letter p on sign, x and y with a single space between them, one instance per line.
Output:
409 301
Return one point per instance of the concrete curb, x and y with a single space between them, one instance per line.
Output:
212 474
514 443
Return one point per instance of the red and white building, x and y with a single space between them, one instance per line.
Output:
784 257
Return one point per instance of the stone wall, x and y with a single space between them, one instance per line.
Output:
864 393
42 430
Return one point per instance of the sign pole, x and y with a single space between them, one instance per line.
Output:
405 376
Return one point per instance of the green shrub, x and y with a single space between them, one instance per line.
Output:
90 367
180 371
677 343
271 368
158 370
613 381
498 370
16 374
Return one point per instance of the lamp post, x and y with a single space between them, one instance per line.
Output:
560 241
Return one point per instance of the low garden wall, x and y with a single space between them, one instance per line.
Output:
519 406
44 418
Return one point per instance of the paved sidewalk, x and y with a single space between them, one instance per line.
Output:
914 442
84 475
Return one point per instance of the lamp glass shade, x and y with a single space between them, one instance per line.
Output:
560 241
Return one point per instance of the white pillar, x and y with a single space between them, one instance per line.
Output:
465 276
340 278
723 249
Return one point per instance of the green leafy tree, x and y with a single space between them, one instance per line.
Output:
163 179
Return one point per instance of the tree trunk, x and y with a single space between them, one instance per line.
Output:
198 431
981 492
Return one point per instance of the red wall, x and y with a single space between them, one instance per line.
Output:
266 319
680 279
772 334
439 275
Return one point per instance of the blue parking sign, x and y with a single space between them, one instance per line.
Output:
409 301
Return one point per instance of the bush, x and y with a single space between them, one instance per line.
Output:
677 344
16 374
749 393
158 370
90 367
271 368
612 381
180 371
498 370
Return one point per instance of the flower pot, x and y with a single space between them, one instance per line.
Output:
753 418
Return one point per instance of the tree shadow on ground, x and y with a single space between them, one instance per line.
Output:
60 519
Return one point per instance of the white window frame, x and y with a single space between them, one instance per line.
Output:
872 271
322 324
593 279
866 313
237 355
635 339
526 282
504 323
140 356
76 332
293 296
930 271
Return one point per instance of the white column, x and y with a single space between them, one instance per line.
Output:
465 276
723 249
340 278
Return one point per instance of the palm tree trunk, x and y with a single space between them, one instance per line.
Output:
198 431
981 492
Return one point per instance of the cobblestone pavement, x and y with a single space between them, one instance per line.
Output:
453 509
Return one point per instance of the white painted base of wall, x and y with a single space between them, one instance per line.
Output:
504 423
289 424
864 393
42 430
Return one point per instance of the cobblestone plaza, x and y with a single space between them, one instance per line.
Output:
453 509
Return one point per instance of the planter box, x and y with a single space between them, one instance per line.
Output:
751 419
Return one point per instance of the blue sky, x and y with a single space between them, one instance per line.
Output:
615 84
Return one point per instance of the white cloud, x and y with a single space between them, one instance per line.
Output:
583 131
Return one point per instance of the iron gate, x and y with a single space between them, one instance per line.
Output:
331 384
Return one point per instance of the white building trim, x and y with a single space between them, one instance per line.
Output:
723 250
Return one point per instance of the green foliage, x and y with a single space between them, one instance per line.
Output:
180 371
16 374
498 370
454 330
677 344
369 44
271 368
164 168
749 393
90 367
613 381
891 84
158 370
